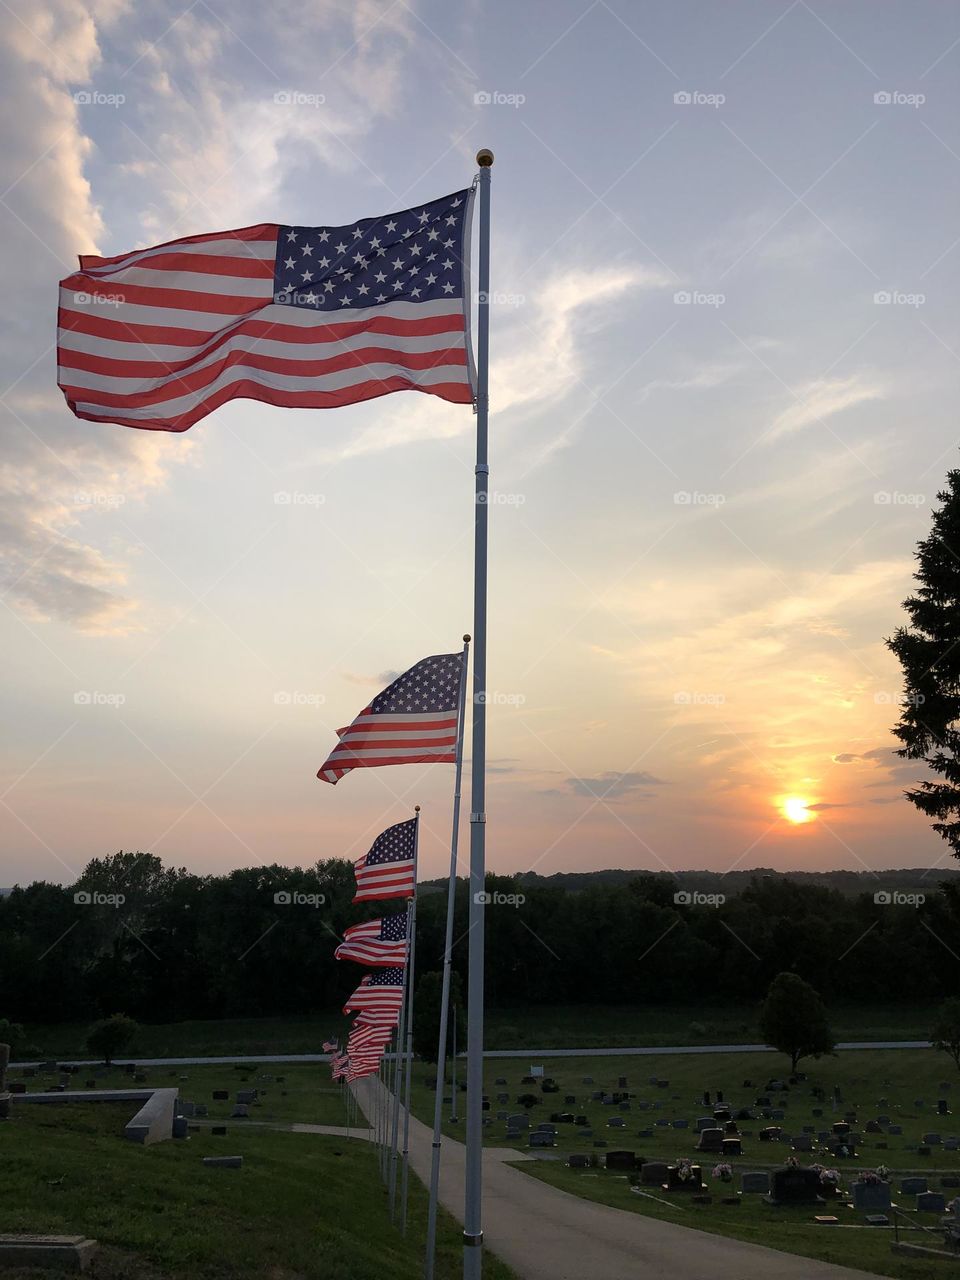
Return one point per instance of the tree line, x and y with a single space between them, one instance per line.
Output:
163 944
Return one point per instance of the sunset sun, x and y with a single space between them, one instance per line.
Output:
795 809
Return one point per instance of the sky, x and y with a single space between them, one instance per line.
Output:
724 359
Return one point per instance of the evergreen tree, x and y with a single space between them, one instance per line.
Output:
929 653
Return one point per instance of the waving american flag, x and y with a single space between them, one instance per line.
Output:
380 992
389 870
377 942
413 721
297 316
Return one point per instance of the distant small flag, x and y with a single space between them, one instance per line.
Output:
378 992
388 870
413 721
330 1046
360 1070
338 1066
378 942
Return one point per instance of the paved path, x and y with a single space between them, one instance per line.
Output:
645 1051
546 1234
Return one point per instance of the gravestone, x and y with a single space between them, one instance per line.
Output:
895 1131
913 1186
931 1202
931 1139
187 1109
180 1124
503 1097
521 1121
616 1122
675 1182
569 1100
621 1160
221 1095
705 1122
653 1174
621 1084
731 1147
757 1184
579 1161
247 1096
706 1098
223 1162
770 1134
795 1186
240 1112
681 1124
582 1120
803 1142
539 1138
500 1080
942 1108
599 1142
587 1080
644 1133
200 1110
710 1140
219 1130
871 1197
546 1128
873 1126
949 1144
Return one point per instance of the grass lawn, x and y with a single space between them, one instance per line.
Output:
302 1207
791 1230
288 1094
546 1027
899 1078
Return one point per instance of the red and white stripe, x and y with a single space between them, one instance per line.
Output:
160 337
375 999
384 880
408 738
362 943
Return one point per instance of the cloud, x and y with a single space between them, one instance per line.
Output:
611 785
821 399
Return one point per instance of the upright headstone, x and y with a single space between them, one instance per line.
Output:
795 1186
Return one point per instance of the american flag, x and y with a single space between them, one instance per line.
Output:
338 1065
362 1069
413 721
380 992
367 1038
377 942
308 317
330 1046
367 1018
389 869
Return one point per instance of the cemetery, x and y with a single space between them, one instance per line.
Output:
853 1158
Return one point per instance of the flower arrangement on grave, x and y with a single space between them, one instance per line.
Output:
792 1162
883 1173
871 1177
724 1172
684 1168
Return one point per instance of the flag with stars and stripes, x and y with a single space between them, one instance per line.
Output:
330 1046
295 316
338 1065
380 992
389 869
413 721
377 942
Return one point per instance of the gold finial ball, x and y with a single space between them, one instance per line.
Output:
466 637
416 808
484 158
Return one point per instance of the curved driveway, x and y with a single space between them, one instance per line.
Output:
547 1234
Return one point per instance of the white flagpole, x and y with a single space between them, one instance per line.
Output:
445 991
411 958
401 1032
472 1218
453 1071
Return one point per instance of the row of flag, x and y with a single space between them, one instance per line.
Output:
414 720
